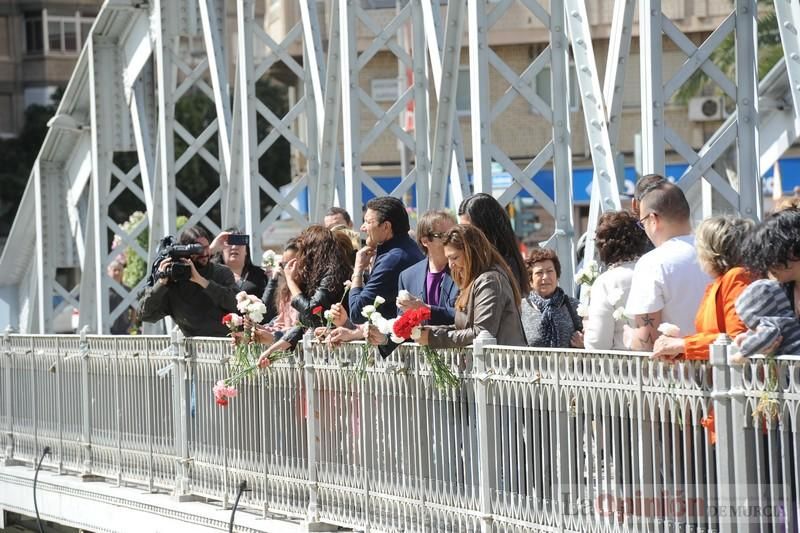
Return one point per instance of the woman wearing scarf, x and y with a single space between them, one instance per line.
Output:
549 316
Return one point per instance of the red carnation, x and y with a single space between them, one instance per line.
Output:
410 320
317 310
223 401
227 319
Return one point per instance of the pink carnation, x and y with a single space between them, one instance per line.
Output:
223 392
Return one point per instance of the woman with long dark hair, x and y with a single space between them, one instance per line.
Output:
489 298
485 213
277 298
315 279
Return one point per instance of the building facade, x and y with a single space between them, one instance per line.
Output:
39 44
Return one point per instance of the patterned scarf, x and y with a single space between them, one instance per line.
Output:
548 307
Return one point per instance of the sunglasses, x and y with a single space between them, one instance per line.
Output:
436 235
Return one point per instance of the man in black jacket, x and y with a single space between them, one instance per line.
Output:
198 304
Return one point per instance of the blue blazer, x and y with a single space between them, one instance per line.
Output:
392 257
413 280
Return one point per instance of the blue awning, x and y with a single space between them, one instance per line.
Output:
581 184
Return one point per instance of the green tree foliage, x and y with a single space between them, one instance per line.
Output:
194 111
769 53
17 156
135 265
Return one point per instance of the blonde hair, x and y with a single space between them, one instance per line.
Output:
719 241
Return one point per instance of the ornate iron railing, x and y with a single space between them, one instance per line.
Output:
559 440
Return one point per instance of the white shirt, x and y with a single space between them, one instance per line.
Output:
601 331
669 279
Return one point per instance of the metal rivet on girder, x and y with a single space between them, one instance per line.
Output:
795 56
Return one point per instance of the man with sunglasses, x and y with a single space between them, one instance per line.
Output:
428 283
668 282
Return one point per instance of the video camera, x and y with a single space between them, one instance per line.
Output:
167 248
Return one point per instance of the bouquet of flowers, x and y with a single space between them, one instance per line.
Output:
246 352
269 259
370 312
409 326
587 274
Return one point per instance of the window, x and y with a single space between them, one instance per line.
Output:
62 34
462 91
34 37
544 88
4 42
55 34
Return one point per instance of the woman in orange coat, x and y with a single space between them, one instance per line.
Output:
718 242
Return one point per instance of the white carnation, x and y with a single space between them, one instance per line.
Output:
367 311
328 315
619 313
268 259
404 295
241 296
583 310
384 325
379 300
670 330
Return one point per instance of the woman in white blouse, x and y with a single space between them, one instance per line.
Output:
620 241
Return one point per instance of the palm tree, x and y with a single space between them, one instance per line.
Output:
769 52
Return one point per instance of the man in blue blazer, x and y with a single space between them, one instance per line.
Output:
428 282
389 249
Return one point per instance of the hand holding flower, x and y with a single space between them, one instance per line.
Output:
340 335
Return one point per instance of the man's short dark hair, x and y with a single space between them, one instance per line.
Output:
647 183
333 211
668 201
191 234
392 210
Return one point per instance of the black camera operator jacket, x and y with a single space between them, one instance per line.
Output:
197 311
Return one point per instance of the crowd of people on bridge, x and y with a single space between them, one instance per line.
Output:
657 285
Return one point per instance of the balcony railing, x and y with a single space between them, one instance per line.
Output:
556 440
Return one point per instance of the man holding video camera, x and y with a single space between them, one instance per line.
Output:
185 285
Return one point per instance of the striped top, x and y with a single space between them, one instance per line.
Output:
766 310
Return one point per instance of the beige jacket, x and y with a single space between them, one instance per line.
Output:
491 307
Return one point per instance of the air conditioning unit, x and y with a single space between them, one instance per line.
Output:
705 108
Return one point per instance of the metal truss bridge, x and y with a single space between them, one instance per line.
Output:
143 57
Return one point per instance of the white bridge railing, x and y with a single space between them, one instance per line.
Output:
557 440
